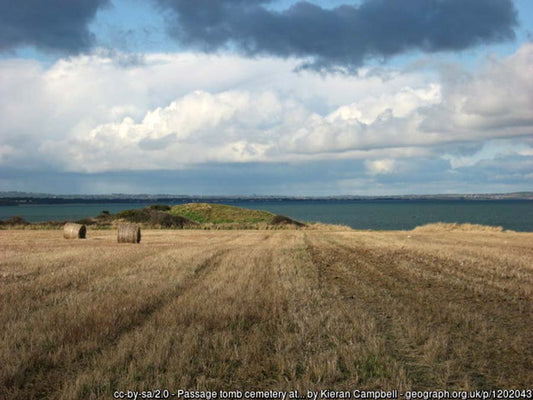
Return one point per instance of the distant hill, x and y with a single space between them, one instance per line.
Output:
16 198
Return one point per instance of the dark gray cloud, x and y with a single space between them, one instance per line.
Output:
58 25
343 36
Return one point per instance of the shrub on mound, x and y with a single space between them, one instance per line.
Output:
12 221
159 207
104 215
283 220
88 221
152 217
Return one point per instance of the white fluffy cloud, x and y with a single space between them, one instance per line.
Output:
379 167
104 112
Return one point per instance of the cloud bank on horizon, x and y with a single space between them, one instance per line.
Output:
241 108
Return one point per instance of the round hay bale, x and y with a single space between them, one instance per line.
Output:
74 231
129 233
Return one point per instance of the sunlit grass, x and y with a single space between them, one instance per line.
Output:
291 309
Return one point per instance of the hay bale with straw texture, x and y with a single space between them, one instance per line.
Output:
129 233
74 231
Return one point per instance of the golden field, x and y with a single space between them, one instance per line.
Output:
271 309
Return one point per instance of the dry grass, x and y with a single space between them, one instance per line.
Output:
288 309
446 226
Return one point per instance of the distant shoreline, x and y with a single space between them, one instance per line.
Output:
22 198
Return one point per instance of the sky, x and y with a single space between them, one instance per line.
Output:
266 97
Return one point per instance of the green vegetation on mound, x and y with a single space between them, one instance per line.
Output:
220 214
229 217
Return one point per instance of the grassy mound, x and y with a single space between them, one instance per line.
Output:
205 213
444 226
192 215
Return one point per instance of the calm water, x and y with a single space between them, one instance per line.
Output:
375 214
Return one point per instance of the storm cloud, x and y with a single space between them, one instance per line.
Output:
345 36
56 25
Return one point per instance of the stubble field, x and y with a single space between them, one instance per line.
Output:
288 309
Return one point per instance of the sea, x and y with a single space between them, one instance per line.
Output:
390 214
